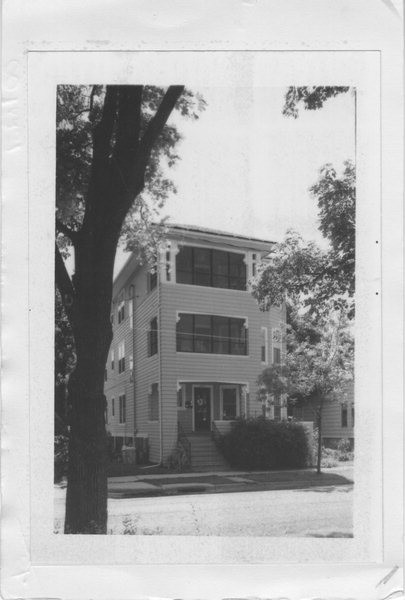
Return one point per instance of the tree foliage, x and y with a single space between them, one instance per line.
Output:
312 98
113 143
79 111
318 365
300 272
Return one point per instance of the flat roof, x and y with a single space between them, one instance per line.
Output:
196 229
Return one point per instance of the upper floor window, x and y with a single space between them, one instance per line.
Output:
121 311
211 334
121 357
152 280
153 337
263 347
213 268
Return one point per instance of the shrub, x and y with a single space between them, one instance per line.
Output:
344 450
258 443
60 457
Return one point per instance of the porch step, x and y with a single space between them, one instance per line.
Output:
205 455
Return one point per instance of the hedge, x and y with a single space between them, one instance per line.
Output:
258 443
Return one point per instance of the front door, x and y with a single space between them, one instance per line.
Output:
202 408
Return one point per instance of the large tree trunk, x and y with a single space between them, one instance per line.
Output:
86 500
117 177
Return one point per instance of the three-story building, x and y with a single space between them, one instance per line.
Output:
189 340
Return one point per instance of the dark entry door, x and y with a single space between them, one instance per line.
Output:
202 408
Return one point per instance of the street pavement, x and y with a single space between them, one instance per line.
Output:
323 511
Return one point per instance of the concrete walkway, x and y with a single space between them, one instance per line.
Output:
227 481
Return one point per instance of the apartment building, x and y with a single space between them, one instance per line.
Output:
189 340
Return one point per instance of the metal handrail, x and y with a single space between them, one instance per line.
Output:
184 441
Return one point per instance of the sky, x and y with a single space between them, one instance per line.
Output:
247 169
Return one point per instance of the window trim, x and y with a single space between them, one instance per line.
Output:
122 409
230 386
193 314
121 357
266 346
155 332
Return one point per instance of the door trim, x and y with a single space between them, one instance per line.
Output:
211 388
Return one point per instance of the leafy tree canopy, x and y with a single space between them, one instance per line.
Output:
79 110
312 98
301 273
319 361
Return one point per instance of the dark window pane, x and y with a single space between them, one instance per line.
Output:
220 335
185 334
237 272
229 403
202 266
153 337
344 416
202 333
238 336
220 269
184 265
276 355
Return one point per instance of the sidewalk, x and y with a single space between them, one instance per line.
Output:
227 481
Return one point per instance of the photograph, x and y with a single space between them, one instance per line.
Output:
205 244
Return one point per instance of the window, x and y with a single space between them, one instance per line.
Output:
113 407
121 311
352 415
180 397
154 402
343 415
263 348
153 337
211 334
121 357
131 314
276 356
152 280
112 360
213 268
229 396
122 409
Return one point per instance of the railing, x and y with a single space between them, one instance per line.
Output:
184 441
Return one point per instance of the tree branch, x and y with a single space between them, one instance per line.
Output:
157 123
64 284
62 228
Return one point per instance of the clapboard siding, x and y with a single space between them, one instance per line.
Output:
146 371
331 416
177 367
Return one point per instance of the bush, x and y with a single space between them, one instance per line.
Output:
258 443
60 457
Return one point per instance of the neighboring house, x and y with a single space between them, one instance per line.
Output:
189 341
337 418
